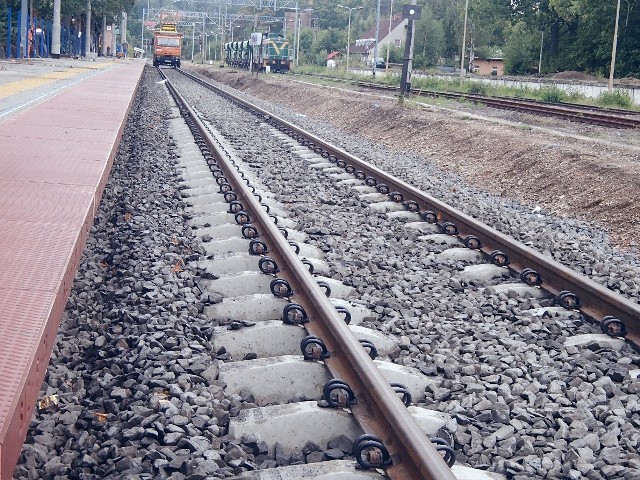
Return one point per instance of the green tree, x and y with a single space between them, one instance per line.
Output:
330 40
428 40
520 51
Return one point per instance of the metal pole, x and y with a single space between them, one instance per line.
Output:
613 51
296 32
202 44
23 29
348 40
123 29
104 35
540 61
87 30
405 78
29 26
193 39
9 14
375 47
298 43
386 64
224 23
142 29
464 38
55 34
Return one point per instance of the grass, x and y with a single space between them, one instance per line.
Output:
616 99
552 95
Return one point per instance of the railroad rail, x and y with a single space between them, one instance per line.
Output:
617 315
378 410
606 117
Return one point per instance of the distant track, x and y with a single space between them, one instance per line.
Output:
613 118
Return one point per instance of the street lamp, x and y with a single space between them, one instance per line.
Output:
386 65
351 9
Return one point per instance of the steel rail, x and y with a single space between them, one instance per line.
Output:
597 301
585 115
378 410
578 107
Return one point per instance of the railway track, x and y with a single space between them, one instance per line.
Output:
272 420
391 439
401 198
617 315
614 118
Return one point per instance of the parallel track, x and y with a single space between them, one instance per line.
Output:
618 316
614 118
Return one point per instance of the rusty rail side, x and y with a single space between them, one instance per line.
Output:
379 411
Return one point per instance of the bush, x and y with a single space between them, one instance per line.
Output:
615 98
552 95
477 88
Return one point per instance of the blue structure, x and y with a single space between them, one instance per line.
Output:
40 45
8 53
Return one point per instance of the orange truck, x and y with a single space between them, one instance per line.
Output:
167 45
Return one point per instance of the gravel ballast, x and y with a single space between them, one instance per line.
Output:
133 373
524 402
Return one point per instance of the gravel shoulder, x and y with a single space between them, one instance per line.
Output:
564 174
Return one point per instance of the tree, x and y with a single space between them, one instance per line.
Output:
521 50
428 41
330 40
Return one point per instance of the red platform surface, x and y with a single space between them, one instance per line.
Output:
54 162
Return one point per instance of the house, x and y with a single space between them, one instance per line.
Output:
365 45
332 59
488 66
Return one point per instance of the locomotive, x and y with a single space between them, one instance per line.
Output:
270 50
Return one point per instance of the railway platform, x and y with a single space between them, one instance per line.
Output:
24 83
59 130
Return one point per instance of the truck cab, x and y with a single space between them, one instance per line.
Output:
167 46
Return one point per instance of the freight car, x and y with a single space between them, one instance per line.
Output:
273 52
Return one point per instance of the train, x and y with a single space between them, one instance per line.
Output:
264 52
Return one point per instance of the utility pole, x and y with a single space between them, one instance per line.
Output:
87 40
55 30
375 47
613 51
464 38
202 43
296 32
386 63
23 29
540 61
104 31
410 12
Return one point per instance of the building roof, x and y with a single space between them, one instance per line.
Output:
368 39
333 55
